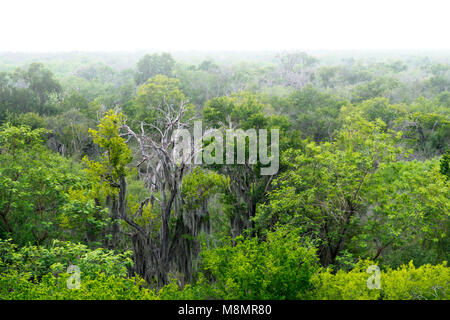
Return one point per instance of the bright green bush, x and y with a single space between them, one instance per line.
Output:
426 282
43 196
278 268
342 285
37 261
15 286
201 290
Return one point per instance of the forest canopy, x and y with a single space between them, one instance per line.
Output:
88 178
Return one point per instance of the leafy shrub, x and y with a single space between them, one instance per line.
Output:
16 286
38 261
342 285
201 290
37 191
425 283
278 268
404 283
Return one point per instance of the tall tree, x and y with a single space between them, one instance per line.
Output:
112 168
41 81
151 65
157 242
35 189
322 191
247 186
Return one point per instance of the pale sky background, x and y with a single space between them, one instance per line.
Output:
100 25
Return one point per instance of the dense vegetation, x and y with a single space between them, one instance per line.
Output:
87 180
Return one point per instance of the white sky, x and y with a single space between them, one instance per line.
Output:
98 25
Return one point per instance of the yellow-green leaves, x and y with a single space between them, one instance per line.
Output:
199 185
116 156
404 283
157 98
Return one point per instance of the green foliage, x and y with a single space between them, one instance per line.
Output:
343 285
74 100
405 283
82 217
323 190
204 193
116 156
380 87
314 113
424 283
15 139
30 119
70 134
29 90
427 132
278 268
244 110
199 185
380 108
37 261
217 110
346 195
409 214
157 97
34 186
151 65
14 286
445 164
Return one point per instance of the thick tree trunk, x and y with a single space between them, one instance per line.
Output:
117 207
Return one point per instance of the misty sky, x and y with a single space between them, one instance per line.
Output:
94 25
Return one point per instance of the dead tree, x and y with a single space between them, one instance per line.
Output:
155 255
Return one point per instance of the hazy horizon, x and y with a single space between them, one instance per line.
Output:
206 26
